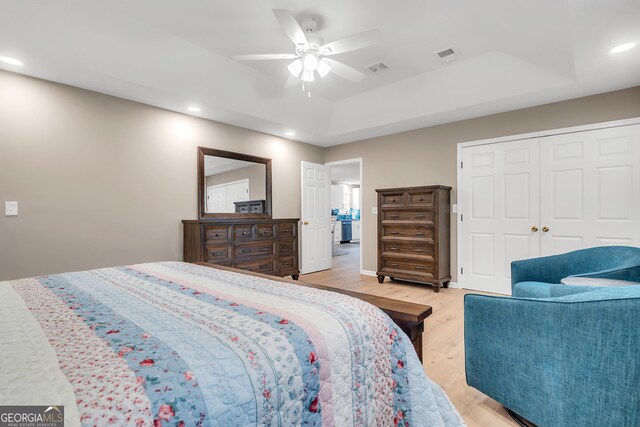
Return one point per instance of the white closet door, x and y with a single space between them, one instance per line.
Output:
590 187
500 206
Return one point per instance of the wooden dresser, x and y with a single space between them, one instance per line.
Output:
268 246
414 235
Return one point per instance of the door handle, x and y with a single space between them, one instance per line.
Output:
545 228
534 228
305 223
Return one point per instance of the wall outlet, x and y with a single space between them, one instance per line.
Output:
374 210
11 208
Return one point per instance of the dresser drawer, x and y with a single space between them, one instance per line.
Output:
217 233
392 199
253 250
422 267
218 253
265 231
420 198
266 265
402 215
288 229
243 232
287 247
407 248
286 264
396 231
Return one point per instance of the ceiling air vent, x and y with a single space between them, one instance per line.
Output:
378 67
448 55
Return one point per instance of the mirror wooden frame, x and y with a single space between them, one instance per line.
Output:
205 151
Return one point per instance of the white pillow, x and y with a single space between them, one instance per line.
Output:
590 281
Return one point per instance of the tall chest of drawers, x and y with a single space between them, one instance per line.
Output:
414 235
268 246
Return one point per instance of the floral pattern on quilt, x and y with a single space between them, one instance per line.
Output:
175 344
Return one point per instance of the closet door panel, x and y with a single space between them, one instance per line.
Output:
500 207
590 183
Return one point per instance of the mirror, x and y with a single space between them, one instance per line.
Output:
233 184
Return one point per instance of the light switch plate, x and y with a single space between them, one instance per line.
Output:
454 208
374 211
11 208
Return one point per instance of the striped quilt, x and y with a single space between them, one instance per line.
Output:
175 344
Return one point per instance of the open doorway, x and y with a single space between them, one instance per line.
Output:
346 221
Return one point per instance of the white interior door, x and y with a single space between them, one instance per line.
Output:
590 186
237 192
217 199
316 218
500 214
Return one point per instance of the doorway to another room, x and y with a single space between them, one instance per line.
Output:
346 225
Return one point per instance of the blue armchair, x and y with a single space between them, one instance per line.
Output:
561 355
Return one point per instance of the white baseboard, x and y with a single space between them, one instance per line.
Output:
454 285
368 272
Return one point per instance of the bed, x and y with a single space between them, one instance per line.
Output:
182 344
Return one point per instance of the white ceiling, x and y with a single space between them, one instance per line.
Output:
214 165
517 53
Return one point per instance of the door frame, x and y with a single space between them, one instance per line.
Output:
360 162
512 138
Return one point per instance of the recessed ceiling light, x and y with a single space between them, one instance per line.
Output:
11 61
290 133
194 109
623 47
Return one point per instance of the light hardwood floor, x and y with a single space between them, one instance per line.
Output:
443 336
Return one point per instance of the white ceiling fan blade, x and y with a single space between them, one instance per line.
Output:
291 82
291 27
352 42
263 56
345 71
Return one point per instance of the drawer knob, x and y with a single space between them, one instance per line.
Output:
264 249
393 200
420 268
393 249
244 233
264 266
217 253
394 216
394 232
217 234
419 234
244 251
393 265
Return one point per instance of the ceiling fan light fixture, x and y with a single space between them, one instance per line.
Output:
310 61
295 68
323 68
308 76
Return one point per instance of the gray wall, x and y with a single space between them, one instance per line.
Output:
102 181
428 155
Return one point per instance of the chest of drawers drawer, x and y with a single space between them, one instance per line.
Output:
392 265
417 248
417 232
405 215
219 253
253 250
287 247
217 233
267 265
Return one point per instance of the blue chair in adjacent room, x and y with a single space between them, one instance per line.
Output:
560 355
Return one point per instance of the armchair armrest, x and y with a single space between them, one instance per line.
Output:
549 269
562 362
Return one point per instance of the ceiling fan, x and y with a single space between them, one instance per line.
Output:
311 57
